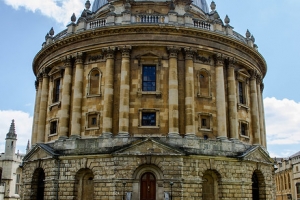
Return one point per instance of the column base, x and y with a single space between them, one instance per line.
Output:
62 138
123 134
222 138
106 135
235 140
190 136
174 135
74 137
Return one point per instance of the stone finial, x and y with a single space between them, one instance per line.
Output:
73 18
227 20
51 32
213 6
28 147
84 14
252 38
248 34
12 131
47 36
87 5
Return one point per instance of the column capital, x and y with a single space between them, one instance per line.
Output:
254 74
173 51
67 61
36 84
44 72
262 86
125 51
79 57
219 59
231 61
189 53
109 52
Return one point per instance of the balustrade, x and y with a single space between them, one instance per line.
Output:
97 23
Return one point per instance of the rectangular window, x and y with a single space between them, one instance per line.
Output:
149 78
242 99
243 129
56 90
148 119
298 190
53 127
17 188
93 120
204 122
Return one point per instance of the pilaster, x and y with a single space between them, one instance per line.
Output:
189 93
220 97
173 92
232 101
77 96
43 108
124 92
254 108
261 112
38 87
64 112
108 91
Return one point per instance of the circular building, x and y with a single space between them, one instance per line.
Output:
149 100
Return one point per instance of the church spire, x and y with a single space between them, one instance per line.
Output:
28 147
12 131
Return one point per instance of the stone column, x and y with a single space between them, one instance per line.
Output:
41 132
77 97
124 92
232 102
108 92
64 112
261 112
38 87
173 92
189 93
254 109
220 98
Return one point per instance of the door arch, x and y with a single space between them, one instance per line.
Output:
148 186
255 187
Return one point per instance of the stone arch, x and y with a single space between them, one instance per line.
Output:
38 184
137 175
84 184
94 82
211 185
258 185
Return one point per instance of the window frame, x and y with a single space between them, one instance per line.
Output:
52 121
242 78
87 121
150 81
199 73
145 110
244 123
99 93
207 116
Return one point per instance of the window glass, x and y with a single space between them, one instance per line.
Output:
148 119
241 93
53 127
56 90
149 78
243 129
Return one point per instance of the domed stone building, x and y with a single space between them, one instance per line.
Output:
149 100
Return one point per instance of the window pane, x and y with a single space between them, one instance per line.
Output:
149 78
148 119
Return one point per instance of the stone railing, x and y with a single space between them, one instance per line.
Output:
97 23
60 35
148 19
239 37
202 24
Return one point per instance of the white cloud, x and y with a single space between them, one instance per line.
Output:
282 121
60 10
23 125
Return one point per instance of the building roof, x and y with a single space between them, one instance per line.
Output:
295 155
202 4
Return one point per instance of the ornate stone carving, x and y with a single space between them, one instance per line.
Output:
173 51
94 58
219 59
253 74
79 57
109 52
203 59
125 51
189 53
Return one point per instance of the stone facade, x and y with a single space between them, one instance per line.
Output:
149 100
287 177
10 168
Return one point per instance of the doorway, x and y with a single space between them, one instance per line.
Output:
148 186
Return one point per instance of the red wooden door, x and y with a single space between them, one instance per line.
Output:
148 186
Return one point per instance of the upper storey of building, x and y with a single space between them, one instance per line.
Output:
182 17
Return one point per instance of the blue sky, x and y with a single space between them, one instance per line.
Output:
274 24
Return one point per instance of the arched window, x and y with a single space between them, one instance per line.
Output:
38 184
94 82
204 83
210 186
84 185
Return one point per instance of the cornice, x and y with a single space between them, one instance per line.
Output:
150 29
